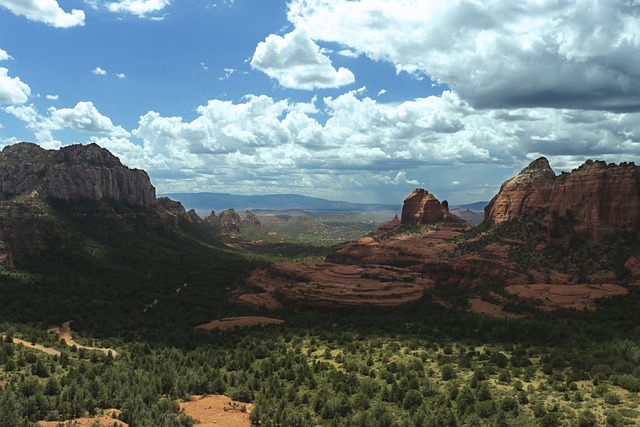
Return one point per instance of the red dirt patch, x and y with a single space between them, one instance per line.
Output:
238 322
106 419
217 410
566 296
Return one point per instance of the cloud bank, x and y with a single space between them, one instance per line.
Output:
496 54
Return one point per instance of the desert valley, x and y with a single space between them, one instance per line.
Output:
121 308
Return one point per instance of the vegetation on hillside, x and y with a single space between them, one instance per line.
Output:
140 288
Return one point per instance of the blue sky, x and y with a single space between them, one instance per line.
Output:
346 100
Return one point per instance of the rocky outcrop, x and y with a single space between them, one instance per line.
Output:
523 195
387 227
75 172
423 208
194 218
173 207
250 217
230 221
595 200
211 221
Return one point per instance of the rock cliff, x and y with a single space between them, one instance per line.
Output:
75 172
524 194
593 201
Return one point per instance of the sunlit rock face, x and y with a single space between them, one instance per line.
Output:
593 201
422 208
524 194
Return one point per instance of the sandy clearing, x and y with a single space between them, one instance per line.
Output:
105 419
217 410
47 350
64 333
238 322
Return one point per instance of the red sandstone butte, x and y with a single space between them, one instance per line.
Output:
423 208
524 194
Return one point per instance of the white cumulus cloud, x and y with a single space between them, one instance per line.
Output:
46 11
84 117
4 55
99 71
495 54
12 89
297 62
140 8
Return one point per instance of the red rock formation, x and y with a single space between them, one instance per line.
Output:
524 194
252 218
194 218
595 200
423 208
386 227
230 221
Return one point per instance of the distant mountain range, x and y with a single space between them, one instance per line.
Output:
206 202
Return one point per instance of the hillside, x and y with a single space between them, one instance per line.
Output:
84 236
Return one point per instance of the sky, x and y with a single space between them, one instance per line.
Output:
355 100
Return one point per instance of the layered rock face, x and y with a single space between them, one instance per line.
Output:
423 208
524 194
76 172
594 200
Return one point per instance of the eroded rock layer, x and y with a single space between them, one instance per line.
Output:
594 200
75 172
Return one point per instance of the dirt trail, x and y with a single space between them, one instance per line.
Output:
217 410
49 351
64 333
106 420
